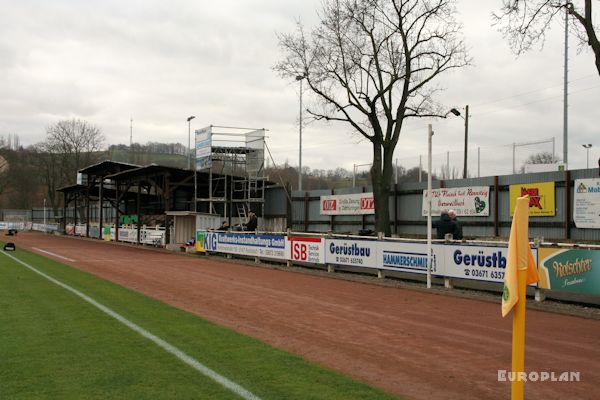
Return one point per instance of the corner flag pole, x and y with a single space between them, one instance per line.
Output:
520 270
518 339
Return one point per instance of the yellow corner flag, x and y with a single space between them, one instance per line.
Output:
520 271
519 257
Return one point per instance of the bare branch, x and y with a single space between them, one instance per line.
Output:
372 64
524 23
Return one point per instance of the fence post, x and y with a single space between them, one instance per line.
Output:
396 208
567 208
362 216
331 217
540 295
289 207
288 263
64 213
88 209
496 206
306 212
330 267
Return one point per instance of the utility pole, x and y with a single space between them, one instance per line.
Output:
300 78
131 140
466 140
565 94
587 148
191 117
429 222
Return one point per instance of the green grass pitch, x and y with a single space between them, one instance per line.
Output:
55 345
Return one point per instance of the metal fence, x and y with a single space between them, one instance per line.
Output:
406 201
301 210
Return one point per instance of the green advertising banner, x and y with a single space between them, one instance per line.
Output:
576 271
106 233
200 241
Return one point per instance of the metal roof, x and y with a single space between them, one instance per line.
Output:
151 169
72 188
107 167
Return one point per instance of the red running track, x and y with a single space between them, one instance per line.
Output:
406 342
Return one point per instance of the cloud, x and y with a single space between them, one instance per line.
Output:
159 62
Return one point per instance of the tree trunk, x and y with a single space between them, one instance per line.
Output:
380 177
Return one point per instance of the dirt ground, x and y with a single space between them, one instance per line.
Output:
406 342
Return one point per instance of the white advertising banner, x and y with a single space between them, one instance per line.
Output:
354 253
586 203
203 148
347 204
43 228
12 225
305 249
476 262
263 246
483 263
128 235
80 230
410 257
466 201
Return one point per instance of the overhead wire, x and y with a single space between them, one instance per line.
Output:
530 92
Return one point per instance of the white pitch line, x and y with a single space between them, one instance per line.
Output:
53 254
169 348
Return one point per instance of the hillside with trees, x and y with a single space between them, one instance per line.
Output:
28 175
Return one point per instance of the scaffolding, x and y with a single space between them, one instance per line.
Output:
234 159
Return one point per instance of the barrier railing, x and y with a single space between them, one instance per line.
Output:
154 236
561 268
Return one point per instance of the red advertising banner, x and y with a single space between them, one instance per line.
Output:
347 204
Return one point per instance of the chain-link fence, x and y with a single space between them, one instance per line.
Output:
481 161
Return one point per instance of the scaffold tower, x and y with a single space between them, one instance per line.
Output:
234 159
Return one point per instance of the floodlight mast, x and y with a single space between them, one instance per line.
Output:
466 118
300 78
191 117
429 222
587 148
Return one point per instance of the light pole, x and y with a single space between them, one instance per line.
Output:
466 118
44 215
191 117
587 147
300 78
429 222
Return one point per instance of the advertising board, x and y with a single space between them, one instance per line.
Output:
466 201
475 262
347 204
203 140
305 249
264 246
570 270
12 225
200 236
354 253
586 203
409 257
541 198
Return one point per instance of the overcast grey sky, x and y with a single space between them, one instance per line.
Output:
159 62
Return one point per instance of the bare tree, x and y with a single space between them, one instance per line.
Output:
4 170
372 64
525 22
69 146
77 142
543 157
50 175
